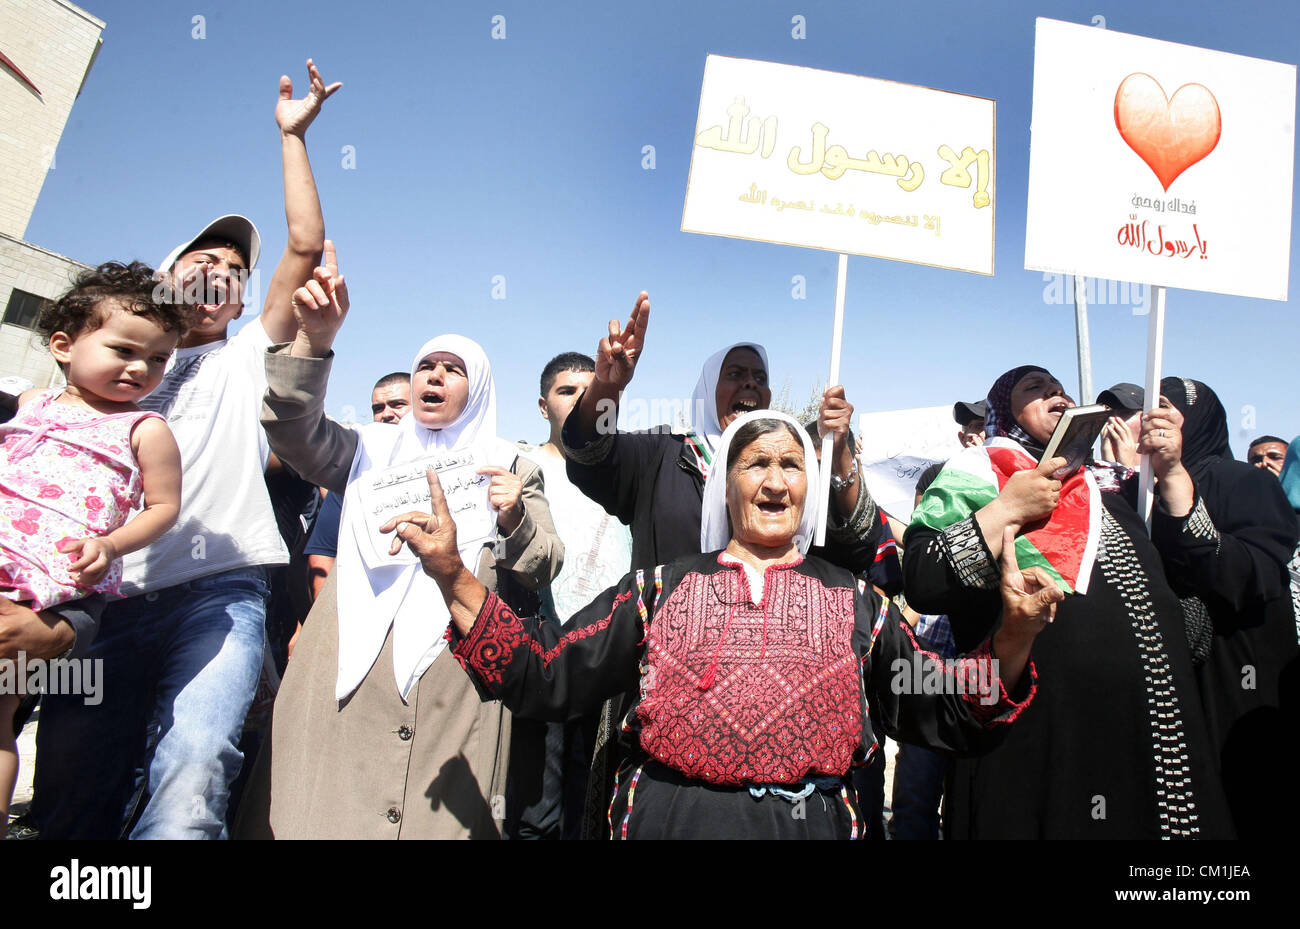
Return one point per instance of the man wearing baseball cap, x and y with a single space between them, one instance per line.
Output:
185 647
970 417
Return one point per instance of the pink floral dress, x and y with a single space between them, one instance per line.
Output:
66 472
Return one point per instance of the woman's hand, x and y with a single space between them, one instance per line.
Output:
1117 443
506 494
96 557
320 306
1031 495
618 352
1029 599
431 536
1162 440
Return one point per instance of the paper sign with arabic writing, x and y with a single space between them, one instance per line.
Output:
845 163
897 446
387 492
1159 163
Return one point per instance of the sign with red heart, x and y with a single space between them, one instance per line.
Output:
1156 163
1169 133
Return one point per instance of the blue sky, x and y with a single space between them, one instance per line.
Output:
522 158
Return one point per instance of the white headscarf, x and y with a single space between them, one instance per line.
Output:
704 402
403 597
715 532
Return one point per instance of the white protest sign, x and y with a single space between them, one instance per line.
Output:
384 493
897 446
850 164
1159 163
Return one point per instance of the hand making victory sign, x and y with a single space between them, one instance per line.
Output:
616 359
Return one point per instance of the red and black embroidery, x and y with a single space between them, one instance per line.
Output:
784 701
975 680
582 632
491 643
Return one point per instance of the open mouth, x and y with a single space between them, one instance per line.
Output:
432 399
769 508
744 405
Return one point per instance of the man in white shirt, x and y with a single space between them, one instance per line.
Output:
184 650
598 552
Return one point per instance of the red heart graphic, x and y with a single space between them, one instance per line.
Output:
1169 134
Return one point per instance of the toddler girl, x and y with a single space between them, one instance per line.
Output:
75 461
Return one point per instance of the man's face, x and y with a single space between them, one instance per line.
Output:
390 403
210 280
1267 455
564 393
742 385
972 433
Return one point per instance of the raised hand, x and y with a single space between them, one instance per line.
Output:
320 306
1162 438
618 352
506 494
835 415
294 116
1118 444
431 536
95 557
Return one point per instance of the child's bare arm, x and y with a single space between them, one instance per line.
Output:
302 208
160 476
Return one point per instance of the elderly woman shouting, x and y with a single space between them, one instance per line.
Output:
752 663
376 733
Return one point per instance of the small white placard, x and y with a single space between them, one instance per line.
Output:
387 492
897 446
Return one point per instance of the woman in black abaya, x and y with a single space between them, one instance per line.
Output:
1228 560
1115 746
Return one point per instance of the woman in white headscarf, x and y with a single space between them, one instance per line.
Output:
376 733
752 663
654 480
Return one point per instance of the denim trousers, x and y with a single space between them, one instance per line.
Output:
186 659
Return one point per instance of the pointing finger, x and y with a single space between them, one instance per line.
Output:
1009 564
329 257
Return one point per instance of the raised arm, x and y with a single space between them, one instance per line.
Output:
293 411
616 357
306 223
538 671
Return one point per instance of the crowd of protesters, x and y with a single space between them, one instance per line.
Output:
644 640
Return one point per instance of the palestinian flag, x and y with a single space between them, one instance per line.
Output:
1065 545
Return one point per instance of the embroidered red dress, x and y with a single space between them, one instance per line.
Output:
744 708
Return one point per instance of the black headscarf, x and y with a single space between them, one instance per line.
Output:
1205 424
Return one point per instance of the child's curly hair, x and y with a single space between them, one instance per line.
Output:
132 288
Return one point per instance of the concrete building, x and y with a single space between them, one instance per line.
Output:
47 48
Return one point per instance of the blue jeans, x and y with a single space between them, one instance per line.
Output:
188 657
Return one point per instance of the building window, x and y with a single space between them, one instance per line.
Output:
23 309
